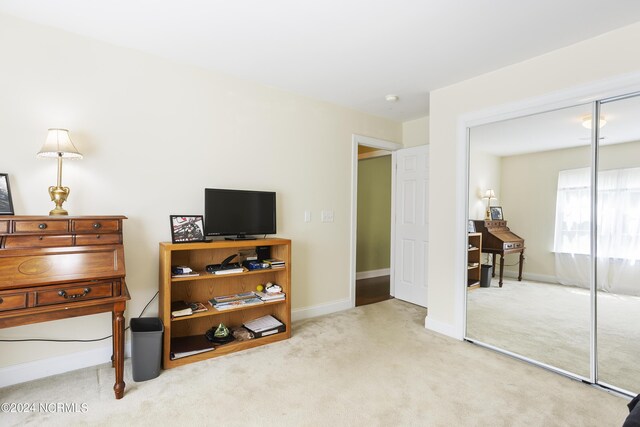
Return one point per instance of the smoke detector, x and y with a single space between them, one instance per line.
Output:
392 98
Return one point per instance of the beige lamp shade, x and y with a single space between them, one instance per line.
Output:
489 194
58 144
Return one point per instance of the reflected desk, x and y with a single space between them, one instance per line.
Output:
498 239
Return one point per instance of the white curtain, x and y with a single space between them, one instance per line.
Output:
618 229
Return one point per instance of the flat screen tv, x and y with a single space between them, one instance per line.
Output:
239 213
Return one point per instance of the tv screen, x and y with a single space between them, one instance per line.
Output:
239 212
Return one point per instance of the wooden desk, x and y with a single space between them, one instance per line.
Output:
60 267
498 239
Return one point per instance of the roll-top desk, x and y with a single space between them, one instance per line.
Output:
498 239
59 267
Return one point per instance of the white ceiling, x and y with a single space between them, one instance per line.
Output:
559 129
348 52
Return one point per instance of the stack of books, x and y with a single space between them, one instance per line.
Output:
274 263
264 326
270 296
226 302
182 308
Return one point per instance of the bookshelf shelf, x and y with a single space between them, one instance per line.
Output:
473 260
206 286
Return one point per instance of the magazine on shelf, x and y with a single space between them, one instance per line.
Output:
239 303
232 297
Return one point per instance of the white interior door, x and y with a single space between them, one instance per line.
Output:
411 223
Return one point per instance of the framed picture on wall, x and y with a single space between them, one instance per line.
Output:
6 205
187 228
496 213
471 226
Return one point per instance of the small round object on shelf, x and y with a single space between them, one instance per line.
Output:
259 288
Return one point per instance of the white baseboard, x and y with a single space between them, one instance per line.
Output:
442 328
373 273
37 369
322 309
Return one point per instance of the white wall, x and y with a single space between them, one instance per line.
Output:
610 55
415 132
485 172
154 134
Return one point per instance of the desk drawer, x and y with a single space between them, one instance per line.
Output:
95 225
4 226
13 301
98 239
13 242
79 292
40 227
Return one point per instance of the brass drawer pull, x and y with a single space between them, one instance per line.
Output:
74 296
42 226
97 225
1 300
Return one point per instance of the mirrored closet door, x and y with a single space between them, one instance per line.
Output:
531 200
618 245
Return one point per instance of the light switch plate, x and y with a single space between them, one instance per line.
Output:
326 216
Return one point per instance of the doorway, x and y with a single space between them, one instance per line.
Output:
373 242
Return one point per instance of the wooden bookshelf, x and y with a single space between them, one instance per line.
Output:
206 286
473 257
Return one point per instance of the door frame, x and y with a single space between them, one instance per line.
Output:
383 145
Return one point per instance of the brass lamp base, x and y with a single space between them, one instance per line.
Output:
58 196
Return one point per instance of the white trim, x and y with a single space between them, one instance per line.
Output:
321 309
582 94
447 329
376 143
16 374
373 273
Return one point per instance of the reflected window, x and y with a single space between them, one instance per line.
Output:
618 213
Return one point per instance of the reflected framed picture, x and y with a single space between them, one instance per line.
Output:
471 226
6 204
496 213
187 228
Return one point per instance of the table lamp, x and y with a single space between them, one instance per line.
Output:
59 145
489 194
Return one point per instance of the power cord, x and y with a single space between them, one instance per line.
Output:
90 340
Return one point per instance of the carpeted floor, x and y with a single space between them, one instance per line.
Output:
374 365
551 323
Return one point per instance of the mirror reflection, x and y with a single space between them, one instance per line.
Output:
541 310
618 250
529 258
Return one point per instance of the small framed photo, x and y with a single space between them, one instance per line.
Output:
187 228
471 226
496 213
6 205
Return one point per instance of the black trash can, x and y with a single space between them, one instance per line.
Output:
485 275
146 347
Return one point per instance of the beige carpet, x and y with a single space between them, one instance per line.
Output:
551 323
374 365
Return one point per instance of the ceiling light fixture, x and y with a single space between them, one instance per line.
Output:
586 122
392 98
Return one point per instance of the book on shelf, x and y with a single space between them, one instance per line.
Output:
265 326
274 263
270 296
189 345
239 303
232 297
177 276
182 308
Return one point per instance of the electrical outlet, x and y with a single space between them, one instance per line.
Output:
307 216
